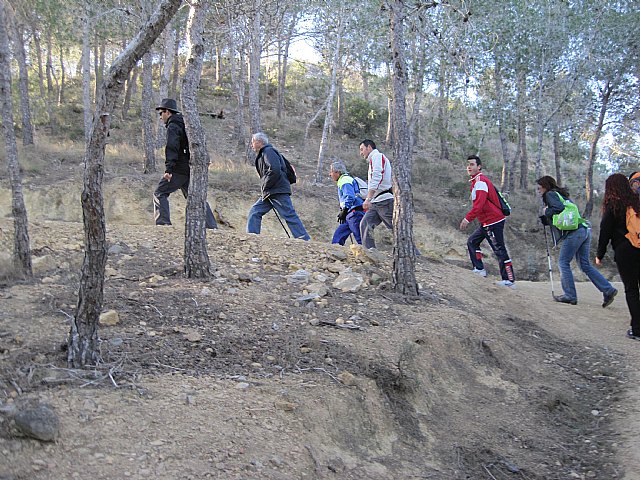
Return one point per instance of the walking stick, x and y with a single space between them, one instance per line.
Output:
546 242
279 219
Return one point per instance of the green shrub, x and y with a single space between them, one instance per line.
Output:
362 118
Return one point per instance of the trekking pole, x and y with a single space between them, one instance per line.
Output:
279 219
546 242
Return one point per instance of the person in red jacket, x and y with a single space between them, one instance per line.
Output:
486 208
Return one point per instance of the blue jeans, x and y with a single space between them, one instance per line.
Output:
577 244
282 203
494 234
352 225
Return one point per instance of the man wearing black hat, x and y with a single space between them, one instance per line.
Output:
176 173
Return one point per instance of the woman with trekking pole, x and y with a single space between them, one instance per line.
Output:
619 202
574 235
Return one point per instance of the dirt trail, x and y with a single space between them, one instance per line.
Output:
588 322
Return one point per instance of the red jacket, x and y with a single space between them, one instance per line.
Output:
486 205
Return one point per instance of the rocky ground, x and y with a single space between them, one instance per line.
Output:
297 360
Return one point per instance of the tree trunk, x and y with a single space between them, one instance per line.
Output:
63 78
556 153
283 65
146 112
237 82
254 70
443 109
390 134
173 91
35 33
593 147
83 349
196 259
23 75
521 97
165 77
328 117
49 65
21 245
86 72
502 133
130 90
404 278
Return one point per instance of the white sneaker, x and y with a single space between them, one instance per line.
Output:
506 283
482 273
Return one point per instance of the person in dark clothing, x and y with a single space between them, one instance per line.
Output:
275 187
618 196
575 244
177 172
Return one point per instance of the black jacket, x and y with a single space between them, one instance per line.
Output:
177 149
272 172
612 229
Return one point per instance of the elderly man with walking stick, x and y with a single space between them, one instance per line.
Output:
276 189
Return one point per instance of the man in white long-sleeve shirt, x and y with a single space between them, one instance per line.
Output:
379 202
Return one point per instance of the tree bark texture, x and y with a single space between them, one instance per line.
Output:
556 153
521 93
283 64
605 97
404 278
237 82
86 71
196 259
23 74
83 338
165 78
254 69
328 117
63 77
148 115
21 244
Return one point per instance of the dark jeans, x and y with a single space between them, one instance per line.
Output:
161 200
494 234
352 225
627 258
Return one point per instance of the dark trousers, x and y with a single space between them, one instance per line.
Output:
494 234
627 258
165 188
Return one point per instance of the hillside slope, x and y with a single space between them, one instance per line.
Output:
253 374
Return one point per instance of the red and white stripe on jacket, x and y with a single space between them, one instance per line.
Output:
380 174
486 205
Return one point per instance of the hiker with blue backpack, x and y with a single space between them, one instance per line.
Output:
487 208
351 211
574 235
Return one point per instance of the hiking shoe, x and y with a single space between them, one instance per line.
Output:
608 298
631 335
565 299
506 283
481 273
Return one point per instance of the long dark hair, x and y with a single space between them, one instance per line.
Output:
618 196
550 185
